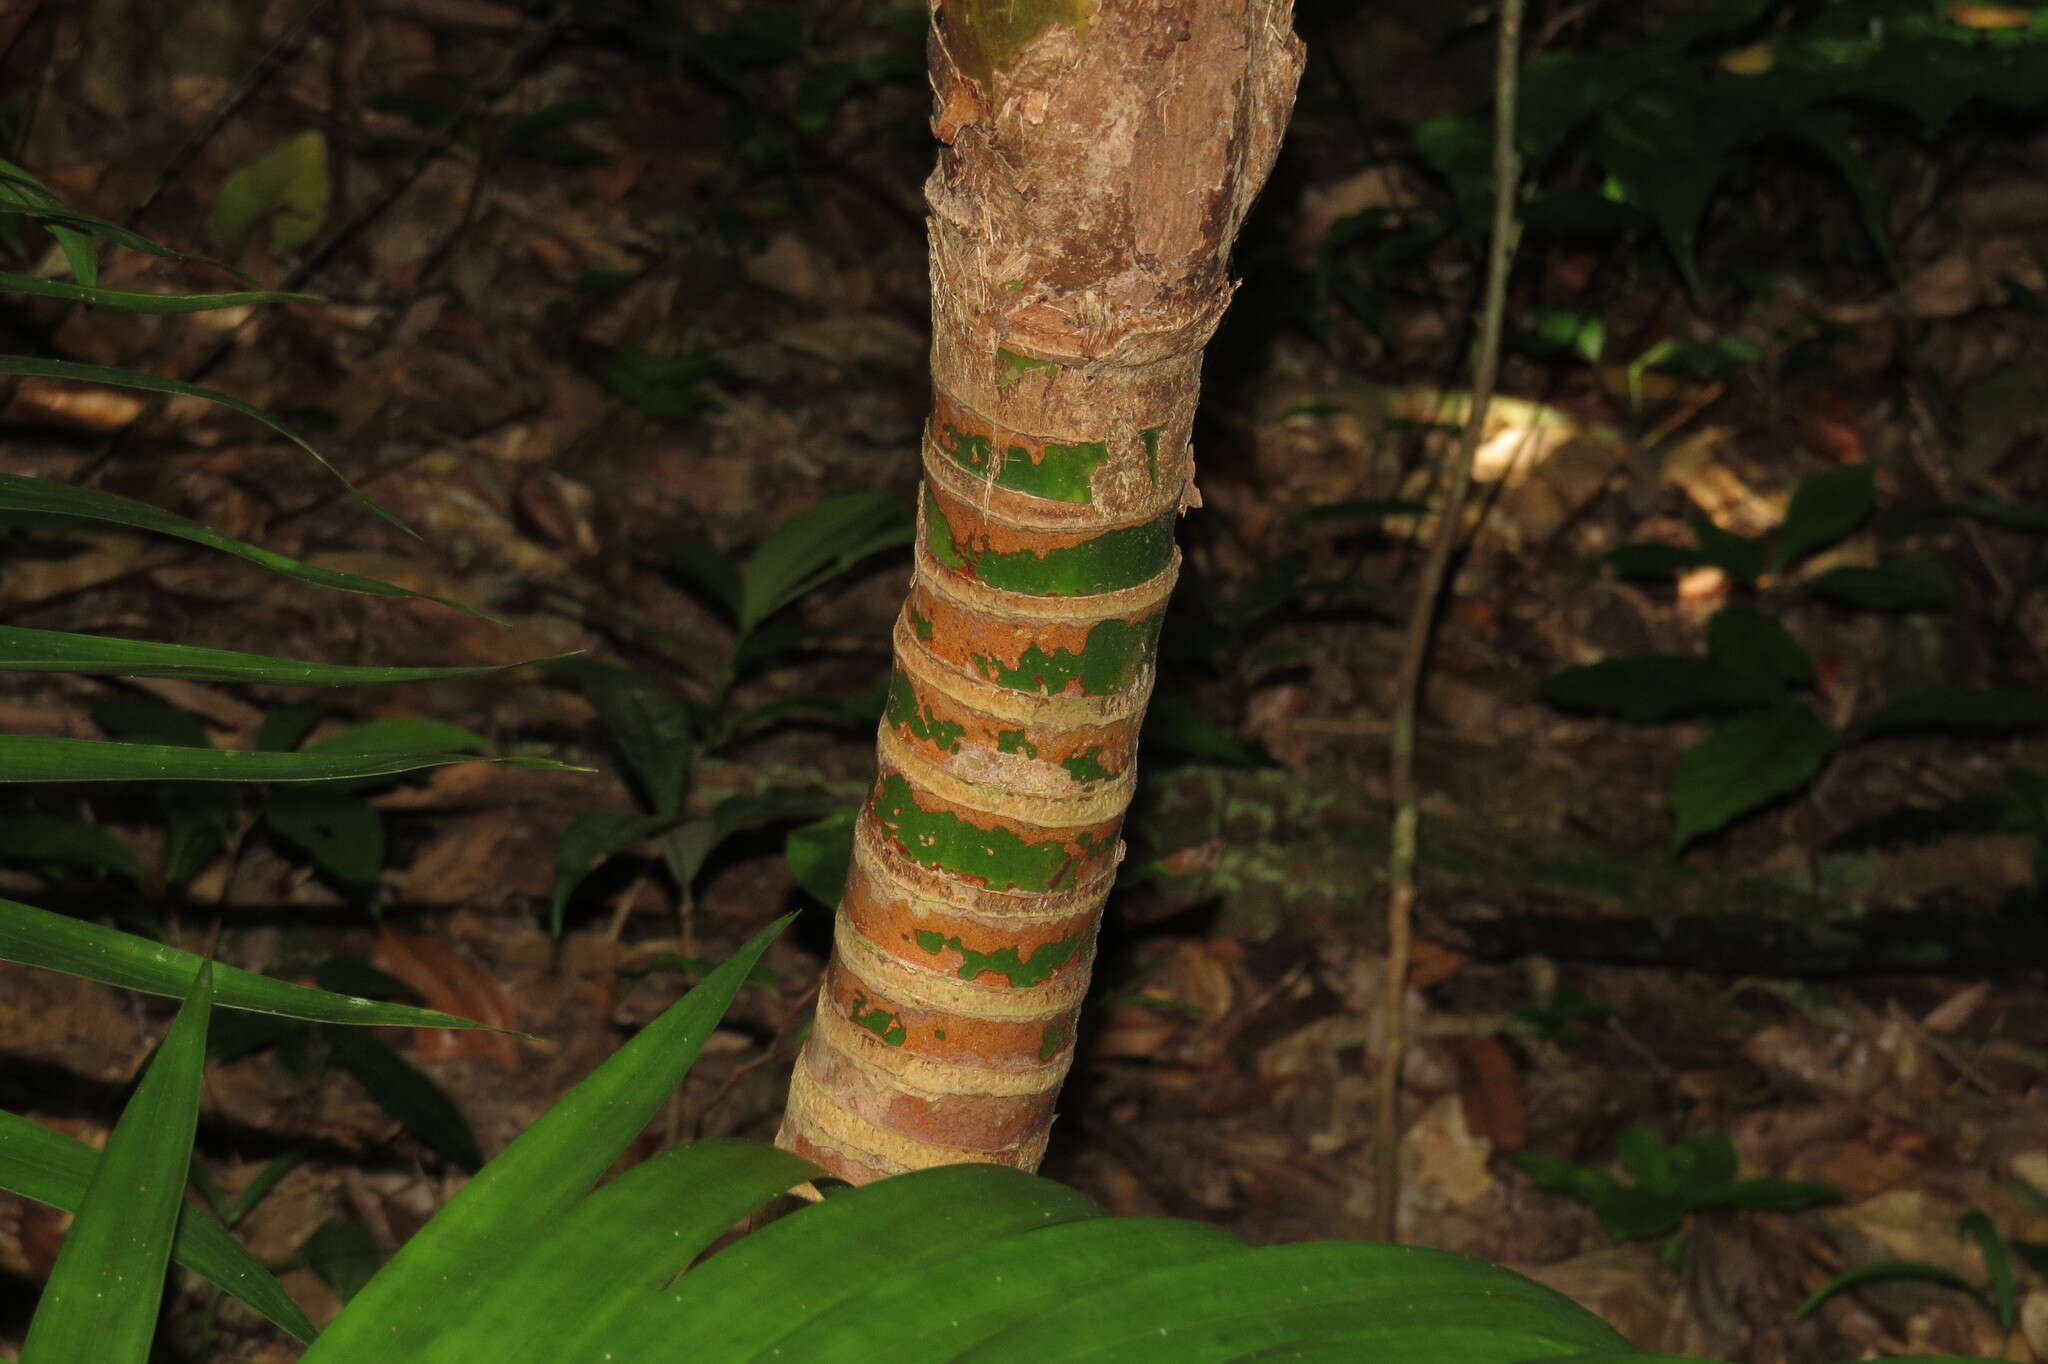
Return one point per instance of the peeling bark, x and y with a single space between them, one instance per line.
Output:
1099 158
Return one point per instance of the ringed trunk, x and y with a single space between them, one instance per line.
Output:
1099 157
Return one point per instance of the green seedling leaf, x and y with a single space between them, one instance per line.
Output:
55 1170
534 1182
123 300
1642 1154
342 834
1558 1175
1740 557
1753 645
344 1253
149 720
1651 561
821 853
2004 1298
670 388
199 824
705 569
29 366
285 728
650 724
48 651
287 187
37 757
36 937
1746 763
48 498
402 1090
1767 1195
1824 508
588 843
1565 331
1656 687
816 545
101 1301
1966 709
1879 1270
1907 585
70 842
259 1186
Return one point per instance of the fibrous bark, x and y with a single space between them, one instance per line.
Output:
1099 157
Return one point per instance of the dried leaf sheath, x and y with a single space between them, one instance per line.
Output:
1100 159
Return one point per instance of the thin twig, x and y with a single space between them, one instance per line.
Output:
1415 650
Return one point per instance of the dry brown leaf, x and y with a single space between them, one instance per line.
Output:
449 981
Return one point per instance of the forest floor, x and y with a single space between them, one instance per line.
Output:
589 311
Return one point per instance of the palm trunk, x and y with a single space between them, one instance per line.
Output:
1100 156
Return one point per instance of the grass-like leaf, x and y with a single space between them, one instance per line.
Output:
54 1169
41 757
533 1182
48 498
102 1297
129 301
36 937
50 651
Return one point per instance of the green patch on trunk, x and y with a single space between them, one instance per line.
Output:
879 1021
1110 562
1022 972
1086 767
1057 1035
996 858
905 713
1014 741
1109 662
1060 473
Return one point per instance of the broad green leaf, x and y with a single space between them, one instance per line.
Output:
1902 586
815 545
1637 1212
619 1248
285 728
1740 557
1968 709
647 720
39 757
1652 560
48 498
1755 645
47 651
1877 1271
1643 1154
36 937
1746 763
1350 1300
1824 508
73 842
925 1318
1559 1175
534 1181
587 843
836 1249
821 853
1656 687
1706 1161
101 1301
131 302
341 833
143 719
54 1169
287 186
405 1092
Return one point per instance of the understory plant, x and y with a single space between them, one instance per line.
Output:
1769 740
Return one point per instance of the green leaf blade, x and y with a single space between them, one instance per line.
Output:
1746 763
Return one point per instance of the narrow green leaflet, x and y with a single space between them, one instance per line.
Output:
2004 1299
41 757
49 498
615 1252
70 371
816 544
821 853
36 937
650 724
74 229
50 651
54 1169
533 1182
101 1301
128 301
404 1091
1879 1270
46 838
587 843
1745 763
